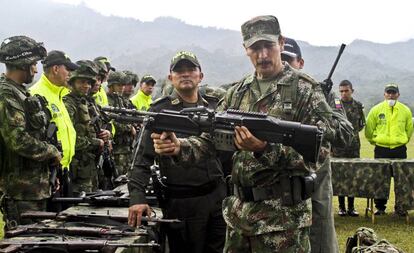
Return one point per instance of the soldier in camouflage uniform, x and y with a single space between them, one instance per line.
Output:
88 146
24 153
266 223
130 84
355 114
124 133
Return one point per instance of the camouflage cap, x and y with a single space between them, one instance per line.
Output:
21 50
148 79
132 77
56 57
87 69
117 77
106 61
260 28
184 55
391 87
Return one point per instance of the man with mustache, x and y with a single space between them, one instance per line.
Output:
194 190
24 152
270 210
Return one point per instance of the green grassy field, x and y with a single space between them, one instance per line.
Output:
394 229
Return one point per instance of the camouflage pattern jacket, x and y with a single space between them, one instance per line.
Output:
291 96
78 109
24 174
123 137
355 113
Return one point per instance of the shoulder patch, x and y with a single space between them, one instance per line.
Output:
308 78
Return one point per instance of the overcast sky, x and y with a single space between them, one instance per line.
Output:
320 22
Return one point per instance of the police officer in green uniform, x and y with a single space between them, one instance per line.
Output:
89 143
194 191
355 113
24 153
124 133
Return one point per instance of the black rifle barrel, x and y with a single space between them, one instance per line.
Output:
341 50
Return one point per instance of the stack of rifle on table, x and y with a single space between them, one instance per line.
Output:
96 223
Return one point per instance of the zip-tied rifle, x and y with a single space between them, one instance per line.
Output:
305 139
327 83
84 217
105 161
10 245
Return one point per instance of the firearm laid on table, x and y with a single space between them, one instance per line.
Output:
105 161
74 245
305 139
327 83
85 217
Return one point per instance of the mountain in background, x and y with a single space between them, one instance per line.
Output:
147 47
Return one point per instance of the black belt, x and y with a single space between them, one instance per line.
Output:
252 194
175 192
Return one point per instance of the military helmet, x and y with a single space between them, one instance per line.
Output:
87 69
21 51
132 77
117 77
106 61
103 69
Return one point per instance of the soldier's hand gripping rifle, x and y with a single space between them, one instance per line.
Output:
327 83
105 161
305 139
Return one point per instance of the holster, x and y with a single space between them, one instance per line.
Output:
296 189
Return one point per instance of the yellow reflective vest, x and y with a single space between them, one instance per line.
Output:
100 97
141 101
389 127
66 133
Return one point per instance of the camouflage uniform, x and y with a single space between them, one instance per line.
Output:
123 138
287 226
24 155
355 113
83 166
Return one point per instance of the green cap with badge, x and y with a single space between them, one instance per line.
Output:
260 28
184 56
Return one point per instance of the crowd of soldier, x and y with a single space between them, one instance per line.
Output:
69 96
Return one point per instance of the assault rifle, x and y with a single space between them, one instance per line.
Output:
78 245
85 217
79 230
105 161
109 198
327 83
99 198
305 139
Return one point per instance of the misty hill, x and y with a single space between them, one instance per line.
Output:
147 47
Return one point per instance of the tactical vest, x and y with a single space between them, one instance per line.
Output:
287 91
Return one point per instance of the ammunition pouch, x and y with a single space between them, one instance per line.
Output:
290 190
36 117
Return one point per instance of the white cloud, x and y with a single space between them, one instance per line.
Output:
320 22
